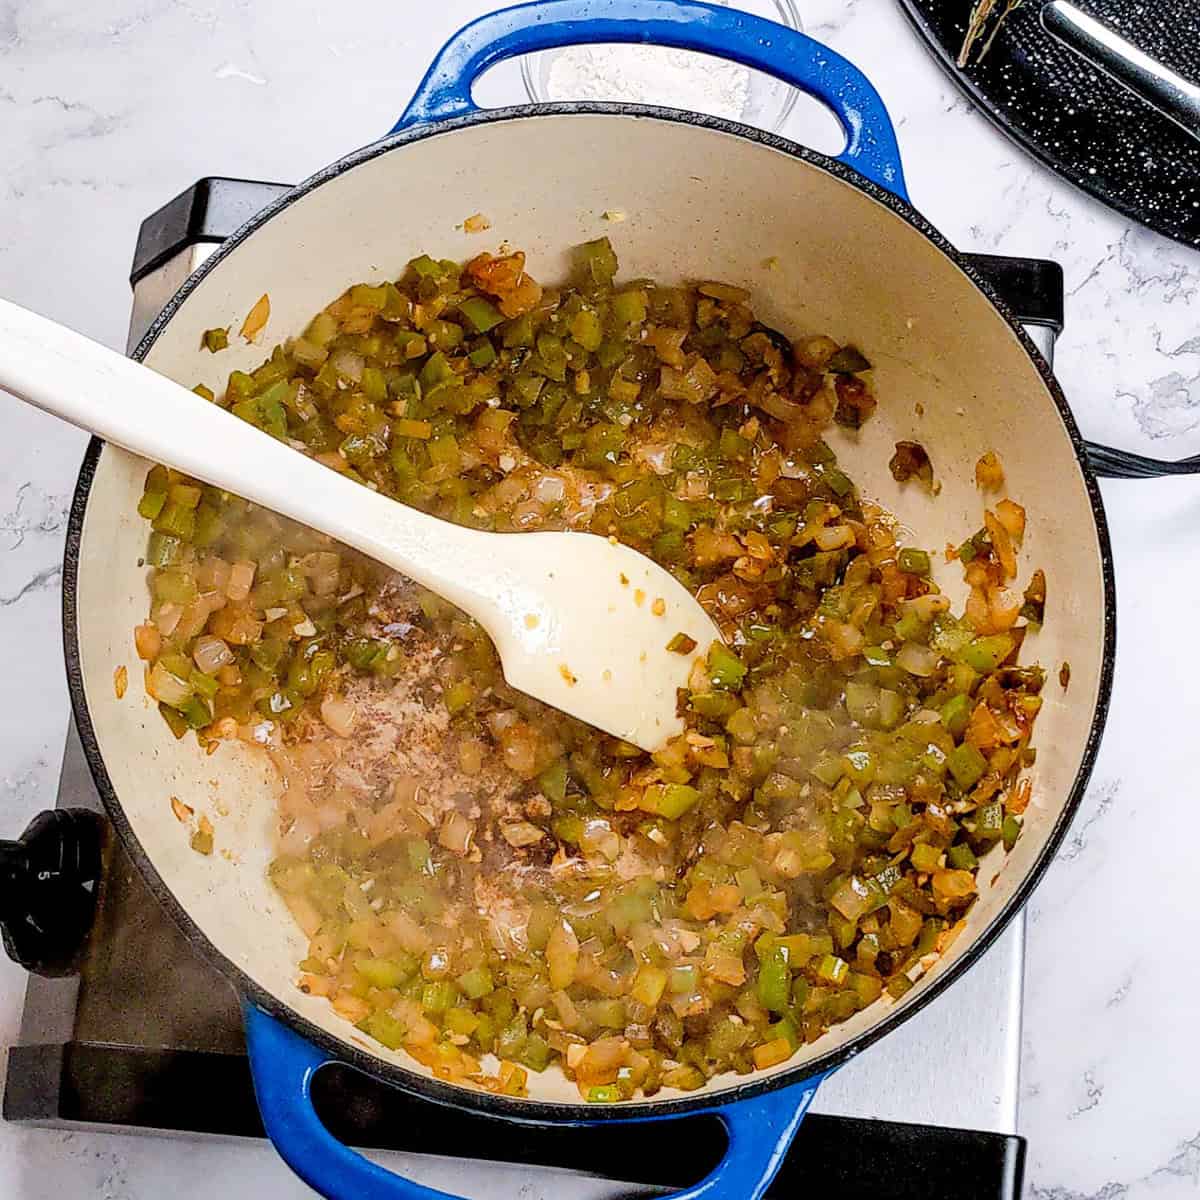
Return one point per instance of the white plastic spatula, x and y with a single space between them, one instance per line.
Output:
579 621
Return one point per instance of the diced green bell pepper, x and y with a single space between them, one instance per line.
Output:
987 653
775 983
725 669
481 313
966 764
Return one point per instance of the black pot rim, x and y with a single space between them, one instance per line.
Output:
535 1111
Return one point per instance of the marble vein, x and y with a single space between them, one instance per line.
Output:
10 35
1169 405
46 578
1183 1167
1094 1093
1110 255
1105 796
1122 991
35 513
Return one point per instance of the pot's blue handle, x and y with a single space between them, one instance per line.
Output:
685 25
283 1065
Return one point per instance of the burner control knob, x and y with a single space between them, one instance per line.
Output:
48 884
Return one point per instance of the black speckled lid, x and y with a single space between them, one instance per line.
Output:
1079 122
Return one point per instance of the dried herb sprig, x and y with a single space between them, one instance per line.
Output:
985 15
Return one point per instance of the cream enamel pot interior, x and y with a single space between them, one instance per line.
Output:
823 248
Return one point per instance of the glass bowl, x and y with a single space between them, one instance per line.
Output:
672 78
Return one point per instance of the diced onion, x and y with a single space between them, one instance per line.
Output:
989 473
353 1008
834 537
168 688
1003 609
1012 516
241 579
338 714
498 722
562 955
550 489
602 1060
657 457
521 833
193 618
925 608
774 405
307 915
455 833
147 641
599 837
408 932
210 653
348 364
527 515
953 885
917 660
844 638
322 568
667 344
1002 543
520 744
166 618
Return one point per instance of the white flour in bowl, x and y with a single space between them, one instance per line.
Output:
651 75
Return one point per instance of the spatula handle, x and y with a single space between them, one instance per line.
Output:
70 376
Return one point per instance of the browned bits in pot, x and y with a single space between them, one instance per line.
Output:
120 681
855 403
217 339
681 644
815 352
313 985
257 318
1012 516
202 840
1034 607
1002 543
183 813
477 223
911 461
1064 676
724 291
1019 796
989 473
505 279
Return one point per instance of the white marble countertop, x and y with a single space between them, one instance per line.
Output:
108 109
